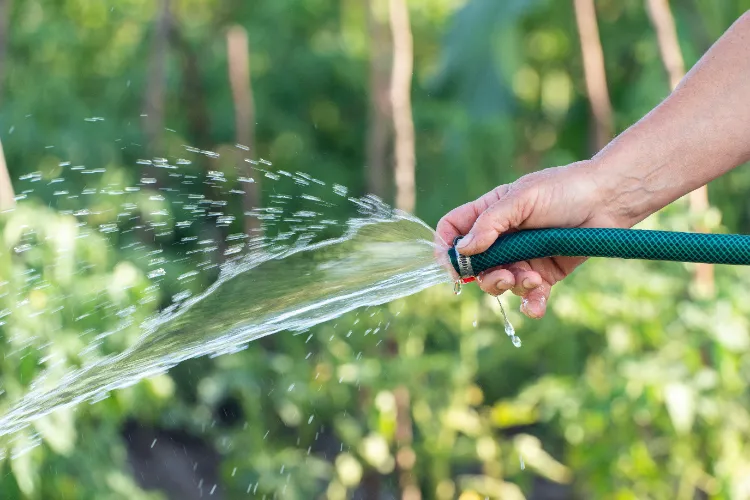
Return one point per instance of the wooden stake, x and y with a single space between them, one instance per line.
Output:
671 56
594 73
403 62
401 77
238 58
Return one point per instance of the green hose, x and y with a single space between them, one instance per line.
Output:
615 243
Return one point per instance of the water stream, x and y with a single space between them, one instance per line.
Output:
286 283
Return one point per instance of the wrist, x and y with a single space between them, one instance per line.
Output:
627 192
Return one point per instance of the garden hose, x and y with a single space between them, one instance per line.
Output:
604 242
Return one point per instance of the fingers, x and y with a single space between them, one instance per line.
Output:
506 213
523 281
532 288
496 281
534 303
526 279
459 221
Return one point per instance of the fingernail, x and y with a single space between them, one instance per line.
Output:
527 284
532 309
526 306
464 242
502 285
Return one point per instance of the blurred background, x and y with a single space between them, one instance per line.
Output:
633 387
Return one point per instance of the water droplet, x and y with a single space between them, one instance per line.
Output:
156 273
516 341
523 465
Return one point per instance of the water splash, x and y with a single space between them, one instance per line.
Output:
384 254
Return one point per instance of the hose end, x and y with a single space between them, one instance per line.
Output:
461 263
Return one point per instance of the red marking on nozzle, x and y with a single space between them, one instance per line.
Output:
468 280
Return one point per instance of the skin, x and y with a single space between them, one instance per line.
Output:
698 133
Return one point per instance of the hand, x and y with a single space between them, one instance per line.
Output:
567 196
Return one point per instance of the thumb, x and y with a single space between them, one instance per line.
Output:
501 216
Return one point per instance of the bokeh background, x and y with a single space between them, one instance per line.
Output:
633 387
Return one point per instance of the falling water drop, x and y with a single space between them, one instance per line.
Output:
509 330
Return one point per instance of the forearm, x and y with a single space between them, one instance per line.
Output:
700 132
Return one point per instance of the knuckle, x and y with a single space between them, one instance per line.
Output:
444 224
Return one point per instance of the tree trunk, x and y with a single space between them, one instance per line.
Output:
4 27
238 58
379 128
403 124
7 196
155 87
671 56
594 73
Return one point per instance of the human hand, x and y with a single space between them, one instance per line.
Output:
567 196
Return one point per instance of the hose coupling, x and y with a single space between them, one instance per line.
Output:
464 267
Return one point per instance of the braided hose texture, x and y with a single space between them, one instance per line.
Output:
613 243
